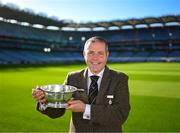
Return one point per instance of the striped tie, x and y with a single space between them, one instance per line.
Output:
93 89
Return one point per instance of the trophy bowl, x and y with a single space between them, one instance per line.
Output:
57 95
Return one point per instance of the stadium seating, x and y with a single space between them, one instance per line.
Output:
25 45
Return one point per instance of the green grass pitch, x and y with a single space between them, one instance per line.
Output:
154 97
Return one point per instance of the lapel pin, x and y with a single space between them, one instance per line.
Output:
110 97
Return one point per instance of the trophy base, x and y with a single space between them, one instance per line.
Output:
57 105
52 105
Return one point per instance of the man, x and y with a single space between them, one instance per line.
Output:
104 104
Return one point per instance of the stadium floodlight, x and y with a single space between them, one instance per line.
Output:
99 29
170 34
70 38
156 25
13 21
83 38
38 26
47 49
52 28
127 27
68 29
113 28
84 29
172 24
25 24
141 26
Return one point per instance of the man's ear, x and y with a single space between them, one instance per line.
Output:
83 53
107 54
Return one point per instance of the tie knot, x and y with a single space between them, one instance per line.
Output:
94 78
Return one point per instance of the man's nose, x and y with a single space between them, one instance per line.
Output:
95 55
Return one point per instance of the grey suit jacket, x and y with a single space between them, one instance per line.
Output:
107 115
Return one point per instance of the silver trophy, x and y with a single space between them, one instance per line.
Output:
57 95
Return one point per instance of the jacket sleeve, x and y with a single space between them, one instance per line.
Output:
117 113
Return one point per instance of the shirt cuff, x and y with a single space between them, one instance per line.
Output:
87 112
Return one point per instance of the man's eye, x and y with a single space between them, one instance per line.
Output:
91 53
101 53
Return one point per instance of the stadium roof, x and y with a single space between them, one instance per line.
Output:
8 13
131 22
29 17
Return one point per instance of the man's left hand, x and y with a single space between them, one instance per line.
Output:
76 106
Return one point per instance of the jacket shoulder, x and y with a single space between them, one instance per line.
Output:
76 73
117 74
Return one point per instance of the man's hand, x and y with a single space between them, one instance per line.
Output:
76 106
39 95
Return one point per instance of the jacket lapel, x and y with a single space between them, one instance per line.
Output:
82 84
104 85
84 80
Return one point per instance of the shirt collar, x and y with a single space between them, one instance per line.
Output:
100 74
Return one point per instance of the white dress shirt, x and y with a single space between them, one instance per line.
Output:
87 112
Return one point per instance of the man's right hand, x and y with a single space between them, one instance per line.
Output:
39 95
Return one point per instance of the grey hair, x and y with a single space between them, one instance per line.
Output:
96 39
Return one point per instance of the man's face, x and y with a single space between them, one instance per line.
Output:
95 56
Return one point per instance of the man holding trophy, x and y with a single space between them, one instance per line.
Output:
102 104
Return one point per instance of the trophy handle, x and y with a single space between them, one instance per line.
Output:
79 89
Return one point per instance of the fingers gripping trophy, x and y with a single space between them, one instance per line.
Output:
54 95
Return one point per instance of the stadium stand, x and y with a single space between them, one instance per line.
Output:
21 44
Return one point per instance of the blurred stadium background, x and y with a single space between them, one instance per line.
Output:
133 40
148 49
